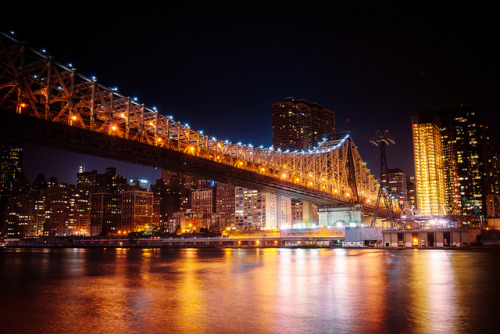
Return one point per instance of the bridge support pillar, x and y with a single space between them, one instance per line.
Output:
341 217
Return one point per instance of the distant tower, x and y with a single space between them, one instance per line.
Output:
300 124
428 157
382 139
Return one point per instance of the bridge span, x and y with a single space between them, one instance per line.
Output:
48 103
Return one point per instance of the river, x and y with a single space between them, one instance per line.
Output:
249 291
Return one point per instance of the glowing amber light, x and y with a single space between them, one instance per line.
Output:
113 128
22 105
73 118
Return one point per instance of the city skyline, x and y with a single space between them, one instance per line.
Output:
222 75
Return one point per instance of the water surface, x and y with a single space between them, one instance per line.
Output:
249 291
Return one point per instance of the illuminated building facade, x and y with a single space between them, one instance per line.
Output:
136 210
428 158
299 124
395 183
225 204
10 169
469 139
58 209
203 201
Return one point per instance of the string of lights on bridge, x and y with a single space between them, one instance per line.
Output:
314 150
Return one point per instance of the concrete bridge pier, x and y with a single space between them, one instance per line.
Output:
341 217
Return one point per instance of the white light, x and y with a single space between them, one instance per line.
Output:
70 65
135 98
12 32
171 117
154 108
93 78
44 51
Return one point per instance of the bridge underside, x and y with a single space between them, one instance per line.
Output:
27 129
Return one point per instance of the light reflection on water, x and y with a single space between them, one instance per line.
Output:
248 290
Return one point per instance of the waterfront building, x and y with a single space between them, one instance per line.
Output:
19 209
283 212
257 210
492 206
136 210
395 182
79 218
58 208
248 209
10 167
428 157
188 222
105 213
299 124
303 213
203 201
411 192
225 204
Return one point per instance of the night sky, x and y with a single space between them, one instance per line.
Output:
219 67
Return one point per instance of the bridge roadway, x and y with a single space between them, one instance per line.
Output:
28 129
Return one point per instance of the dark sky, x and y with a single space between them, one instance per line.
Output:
220 66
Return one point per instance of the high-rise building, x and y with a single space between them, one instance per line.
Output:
257 210
57 208
411 192
19 210
79 219
105 213
395 183
203 201
428 157
136 210
469 139
299 124
10 167
225 204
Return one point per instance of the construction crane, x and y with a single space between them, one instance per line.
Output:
382 139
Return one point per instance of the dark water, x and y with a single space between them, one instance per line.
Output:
249 291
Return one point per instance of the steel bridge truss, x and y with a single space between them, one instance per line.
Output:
32 83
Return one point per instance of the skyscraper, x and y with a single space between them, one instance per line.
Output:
10 167
428 157
299 124
395 183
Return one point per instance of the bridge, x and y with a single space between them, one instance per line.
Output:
47 103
